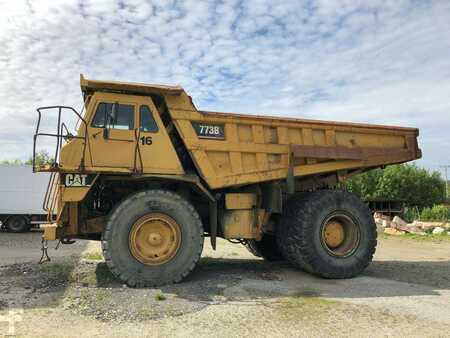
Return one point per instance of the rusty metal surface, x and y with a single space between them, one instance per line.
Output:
347 153
337 152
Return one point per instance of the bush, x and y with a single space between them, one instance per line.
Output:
411 214
365 185
437 213
407 182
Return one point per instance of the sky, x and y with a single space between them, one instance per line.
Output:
383 62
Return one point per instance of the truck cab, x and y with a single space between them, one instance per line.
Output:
122 133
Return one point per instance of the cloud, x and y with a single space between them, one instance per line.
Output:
378 61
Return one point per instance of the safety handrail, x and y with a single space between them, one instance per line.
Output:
59 134
50 191
53 204
51 196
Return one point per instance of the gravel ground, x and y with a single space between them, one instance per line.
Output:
405 292
26 247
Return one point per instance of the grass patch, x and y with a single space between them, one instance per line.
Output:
89 299
299 305
102 294
429 237
58 271
101 277
301 301
420 238
83 301
93 256
160 296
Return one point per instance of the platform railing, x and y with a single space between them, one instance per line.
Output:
61 134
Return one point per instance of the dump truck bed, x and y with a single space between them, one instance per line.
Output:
250 149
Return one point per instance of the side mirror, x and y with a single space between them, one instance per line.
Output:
111 116
114 110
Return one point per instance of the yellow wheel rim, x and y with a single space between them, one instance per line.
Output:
154 239
340 235
333 234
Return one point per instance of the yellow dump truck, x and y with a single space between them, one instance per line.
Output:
150 176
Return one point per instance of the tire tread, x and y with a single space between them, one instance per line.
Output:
298 222
131 280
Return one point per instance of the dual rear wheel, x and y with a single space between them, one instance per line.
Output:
331 234
328 233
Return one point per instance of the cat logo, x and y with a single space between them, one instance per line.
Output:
76 180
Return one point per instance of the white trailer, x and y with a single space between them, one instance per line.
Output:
21 197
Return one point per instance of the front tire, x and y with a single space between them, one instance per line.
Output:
331 234
152 238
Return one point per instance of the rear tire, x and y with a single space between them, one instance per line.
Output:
328 233
266 248
152 238
18 224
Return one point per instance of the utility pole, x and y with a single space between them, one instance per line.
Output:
445 168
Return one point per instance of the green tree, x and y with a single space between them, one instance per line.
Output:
11 162
365 185
42 157
416 186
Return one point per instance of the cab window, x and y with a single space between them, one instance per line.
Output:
148 123
121 118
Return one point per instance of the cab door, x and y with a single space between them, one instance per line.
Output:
112 132
156 152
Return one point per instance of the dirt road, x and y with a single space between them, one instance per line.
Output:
405 292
